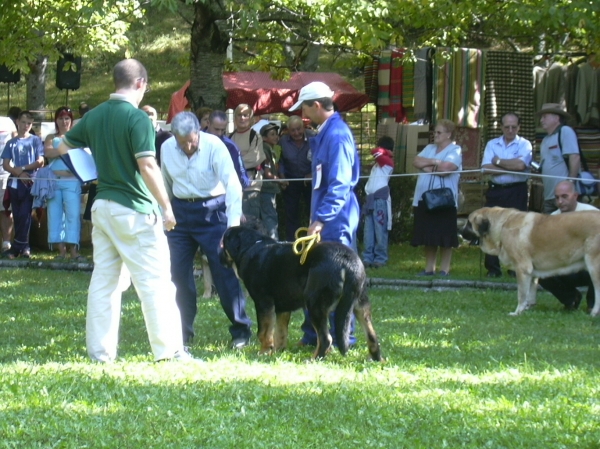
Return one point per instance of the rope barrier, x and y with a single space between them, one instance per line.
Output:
302 245
479 171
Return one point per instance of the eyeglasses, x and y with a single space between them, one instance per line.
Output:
510 127
148 88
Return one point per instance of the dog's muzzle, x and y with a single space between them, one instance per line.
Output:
469 234
224 258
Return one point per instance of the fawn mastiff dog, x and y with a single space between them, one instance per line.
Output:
539 246
331 279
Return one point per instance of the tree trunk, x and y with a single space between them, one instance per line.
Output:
36 84
311 62
208 53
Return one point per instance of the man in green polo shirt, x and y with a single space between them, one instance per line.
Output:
128 226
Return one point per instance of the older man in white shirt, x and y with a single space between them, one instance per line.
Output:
503 156
206 196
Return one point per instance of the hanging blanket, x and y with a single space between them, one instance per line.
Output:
423 84
508 81
458 86
383 78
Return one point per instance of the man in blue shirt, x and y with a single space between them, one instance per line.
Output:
335 171
26 152
217 125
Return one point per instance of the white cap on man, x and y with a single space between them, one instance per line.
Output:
312 91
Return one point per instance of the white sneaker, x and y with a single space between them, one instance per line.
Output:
182 356
6 246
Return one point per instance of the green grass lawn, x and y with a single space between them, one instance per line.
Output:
459 372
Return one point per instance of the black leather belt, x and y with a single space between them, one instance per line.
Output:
195 200
506 186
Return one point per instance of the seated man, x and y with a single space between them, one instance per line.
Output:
564 287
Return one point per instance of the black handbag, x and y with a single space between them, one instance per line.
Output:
438 199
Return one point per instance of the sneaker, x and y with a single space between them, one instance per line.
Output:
5 246
182 356
493 274
426 273
444 273
240 343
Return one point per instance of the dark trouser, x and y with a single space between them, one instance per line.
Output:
514 196
310 336
292 195
564 287
268 214
198 226
21 203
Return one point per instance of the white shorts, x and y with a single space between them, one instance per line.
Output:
3 186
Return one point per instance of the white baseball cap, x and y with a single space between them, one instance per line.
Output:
312 91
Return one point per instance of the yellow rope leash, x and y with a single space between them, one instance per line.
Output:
302 245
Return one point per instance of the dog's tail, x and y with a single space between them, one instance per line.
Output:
343 315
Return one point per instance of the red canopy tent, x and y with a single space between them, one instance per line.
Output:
266 95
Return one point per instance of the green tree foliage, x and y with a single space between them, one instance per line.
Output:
287 35
34 32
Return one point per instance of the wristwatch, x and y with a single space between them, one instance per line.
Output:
22 169
498 161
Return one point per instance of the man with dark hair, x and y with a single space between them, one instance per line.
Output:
128 225
217 126
22 157
295 164
207 199
507 153
559 152
161 135
335 172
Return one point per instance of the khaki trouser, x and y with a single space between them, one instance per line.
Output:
123 236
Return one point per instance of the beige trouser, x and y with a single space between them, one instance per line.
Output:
122 236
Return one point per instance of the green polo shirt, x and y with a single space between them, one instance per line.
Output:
118 133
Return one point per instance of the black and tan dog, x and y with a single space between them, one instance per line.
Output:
539 246
331 279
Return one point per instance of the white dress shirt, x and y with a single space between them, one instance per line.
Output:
519 148
209 172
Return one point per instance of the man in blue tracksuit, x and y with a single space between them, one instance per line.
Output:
335 171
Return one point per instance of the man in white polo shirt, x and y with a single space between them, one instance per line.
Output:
507 153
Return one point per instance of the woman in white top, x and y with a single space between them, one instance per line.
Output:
439 164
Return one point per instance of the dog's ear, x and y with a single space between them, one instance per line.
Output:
484 227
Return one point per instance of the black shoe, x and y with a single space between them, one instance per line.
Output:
575 304
493 274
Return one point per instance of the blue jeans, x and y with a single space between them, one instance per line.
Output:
64 212
268 214
196 227
376 234
21 203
